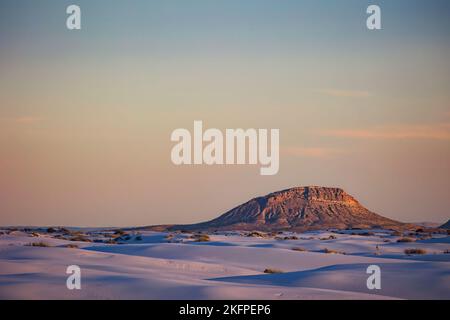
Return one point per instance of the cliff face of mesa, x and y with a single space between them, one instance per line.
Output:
301 208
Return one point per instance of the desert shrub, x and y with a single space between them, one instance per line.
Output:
331 237
119 232
415 251
256 234
51 230
299 249
331 251
80 238
72 246
111 241
201 238
406 240
397 233
290 238
271 270
38 244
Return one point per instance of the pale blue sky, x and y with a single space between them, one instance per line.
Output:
86 115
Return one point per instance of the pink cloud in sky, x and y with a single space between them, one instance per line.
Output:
312 152
434 132
27 119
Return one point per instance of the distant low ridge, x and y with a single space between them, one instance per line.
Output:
446 225
296 209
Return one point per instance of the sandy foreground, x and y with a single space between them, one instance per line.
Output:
152 265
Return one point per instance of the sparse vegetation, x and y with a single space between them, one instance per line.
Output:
331 251
80 238
201 238
415 251
287 238
257 234
299 249
272 271
331 237
447 251
72 246
38 244
406 239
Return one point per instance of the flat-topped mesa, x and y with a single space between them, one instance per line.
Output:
314 193
298 209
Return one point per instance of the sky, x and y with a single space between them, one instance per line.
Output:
86 115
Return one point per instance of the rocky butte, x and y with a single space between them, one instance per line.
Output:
297 209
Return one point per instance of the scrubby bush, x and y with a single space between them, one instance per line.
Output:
331 237
38 244
80 238
330 251
72 246
415 251
200 237
299 249
271 270
406 240
256 234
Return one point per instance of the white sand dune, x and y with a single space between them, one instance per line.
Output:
227 267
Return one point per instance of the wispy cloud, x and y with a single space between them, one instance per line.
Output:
432 132
314 152
27 119
22 119
345 93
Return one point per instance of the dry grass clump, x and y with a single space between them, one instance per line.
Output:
72 246
331 251
80 238
256 234
38 244
331 237
200 238
415 251
299 249
287 238
406 239
272 271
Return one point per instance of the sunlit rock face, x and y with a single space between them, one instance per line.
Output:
299 209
